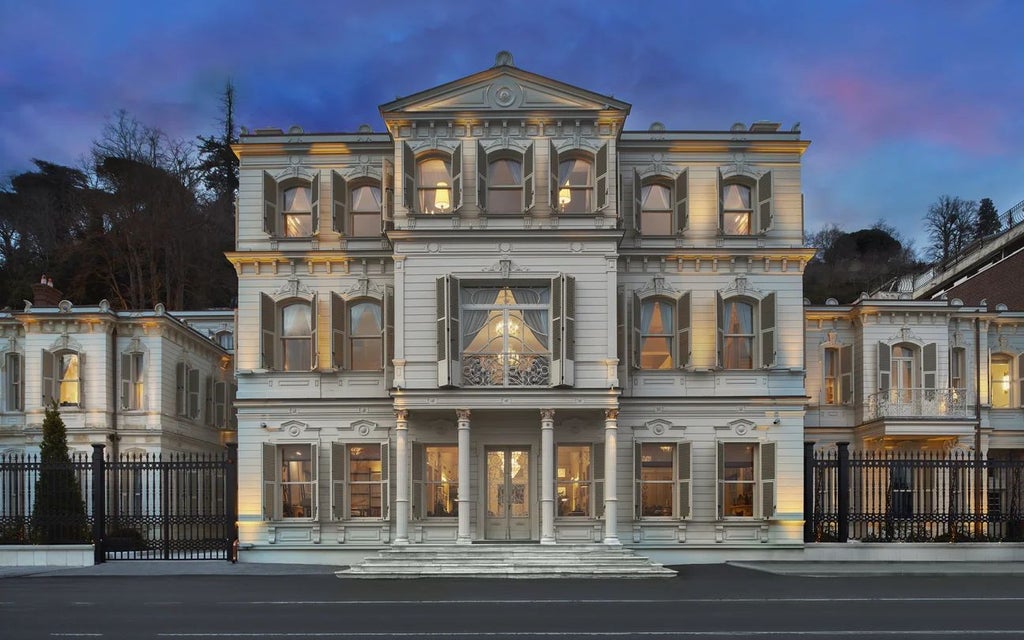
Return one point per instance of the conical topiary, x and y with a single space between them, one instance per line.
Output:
58 513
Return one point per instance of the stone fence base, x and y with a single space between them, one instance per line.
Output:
47 555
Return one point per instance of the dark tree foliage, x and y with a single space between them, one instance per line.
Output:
58 513
848 264
950 222
988 219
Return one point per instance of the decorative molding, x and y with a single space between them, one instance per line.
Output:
462 415
905 334
506 267
611 414
547 415
293 288
657 287
364 427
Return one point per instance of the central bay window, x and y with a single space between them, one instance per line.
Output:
291 208
579 482
508 334
436 480
661 480
62 379
505 180
362 332
661 332
746 480
744 204
289 481
432 183
907 374
359 480
661 204
288 333
746 332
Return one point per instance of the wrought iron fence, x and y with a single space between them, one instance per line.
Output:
64 489
912 497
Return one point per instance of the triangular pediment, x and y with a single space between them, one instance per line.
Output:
503 89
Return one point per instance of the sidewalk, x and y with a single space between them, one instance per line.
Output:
171 568
813 569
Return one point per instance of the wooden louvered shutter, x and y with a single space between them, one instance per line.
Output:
638 202
638 466
720 322
315 457
683 330
721 201
1020 375
268 332
457 178
385 481
81 379
314 351
339 324
597 475
126 381
49 394
193 393
621 311
529 191
389 329
636 341
684 464
602 177
929 367
846 374
568 330
337 481
408 178
481 176
181 396
220 404
208 402
553 176
682 194
269 204
270 486
884 367
719 477
768 473
314 201
387 200
417 495
768 318
447 329
556 331
764 202
339 196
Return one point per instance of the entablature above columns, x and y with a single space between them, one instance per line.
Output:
761 260
322 263
575 399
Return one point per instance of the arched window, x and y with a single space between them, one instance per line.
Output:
296 336
738 349
745 204
434 183
575 185
297 208
505 185
656 209
746 332
1001 377
364 207
366 325
737 211
657 333
62 378
904 372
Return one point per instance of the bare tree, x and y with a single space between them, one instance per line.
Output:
950 225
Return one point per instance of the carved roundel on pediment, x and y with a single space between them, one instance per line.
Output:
505 94
742 427
294 428
363 427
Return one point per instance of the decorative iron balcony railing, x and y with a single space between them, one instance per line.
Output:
919 403
506 370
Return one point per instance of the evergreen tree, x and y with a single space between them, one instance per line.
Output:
988 219
58 513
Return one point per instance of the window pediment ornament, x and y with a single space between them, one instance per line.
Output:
434 143
66 343
364 288
741 287
504 143
658 287
135 346
957 339
296 170
293 288
295 428
366 169
365 427
905 334
832 340
740 427
505 267
739 167
659 427
577 142
1004 342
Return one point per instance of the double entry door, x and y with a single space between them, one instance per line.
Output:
509 493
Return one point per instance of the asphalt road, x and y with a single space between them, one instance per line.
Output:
704 602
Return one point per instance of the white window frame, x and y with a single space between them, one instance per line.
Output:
421 507
274 483
1011 396
764 329
52 381
14 382
764 482
272 352
342 333
341 484
681 479
133 380
761 210
594 482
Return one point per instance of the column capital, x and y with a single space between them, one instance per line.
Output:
611 414
462 414
401 415
547 414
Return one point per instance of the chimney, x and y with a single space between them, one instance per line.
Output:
44 294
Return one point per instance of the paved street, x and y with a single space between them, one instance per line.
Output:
704 602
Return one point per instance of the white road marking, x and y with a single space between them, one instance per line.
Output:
631 602
77 635
608 634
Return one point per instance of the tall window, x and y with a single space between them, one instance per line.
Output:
69 379
15 390
434 182
132 382
1000 376
298 212
505 186
365 336
441 480
298 483
656 210
736 481
296 336
662 479
958 369
505 336
575 186
574 481
737 212
830 370
745 204
738 347
904 377
187 390
62 379
656 333
365 210
365 478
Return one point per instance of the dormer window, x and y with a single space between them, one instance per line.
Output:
434 180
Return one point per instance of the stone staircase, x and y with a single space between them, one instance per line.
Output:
507 561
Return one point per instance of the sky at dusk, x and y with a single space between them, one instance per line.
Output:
903 101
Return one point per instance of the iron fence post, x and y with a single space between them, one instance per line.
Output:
165 508
843 499
231 502
99 502
809 492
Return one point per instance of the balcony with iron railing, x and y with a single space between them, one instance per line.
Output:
508 369
919 403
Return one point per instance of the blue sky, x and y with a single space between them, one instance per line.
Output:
903 101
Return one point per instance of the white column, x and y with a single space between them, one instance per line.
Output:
465 503
547 476
401 476
611 489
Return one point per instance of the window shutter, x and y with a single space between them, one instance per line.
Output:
453 333
553 176
721 204
417 496
637 485
929 363
408 178
385 481
556 331
764 202
337 481
568 330
720 321
1020 375
683 330
81 379
49 394
457 178
846 374
220 391
268 332
720 477
270 492
635 327
481 176
621 311
883 367
193 393
269 204
126 381
180 382
314 201
768 331
315 455
602 177
314 351
445 328
389 329
339 196
682 201
684 462
339 322
387 200
597 475
208 402
638 201
768 464
528 179
231 417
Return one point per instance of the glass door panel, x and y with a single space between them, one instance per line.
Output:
508 512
